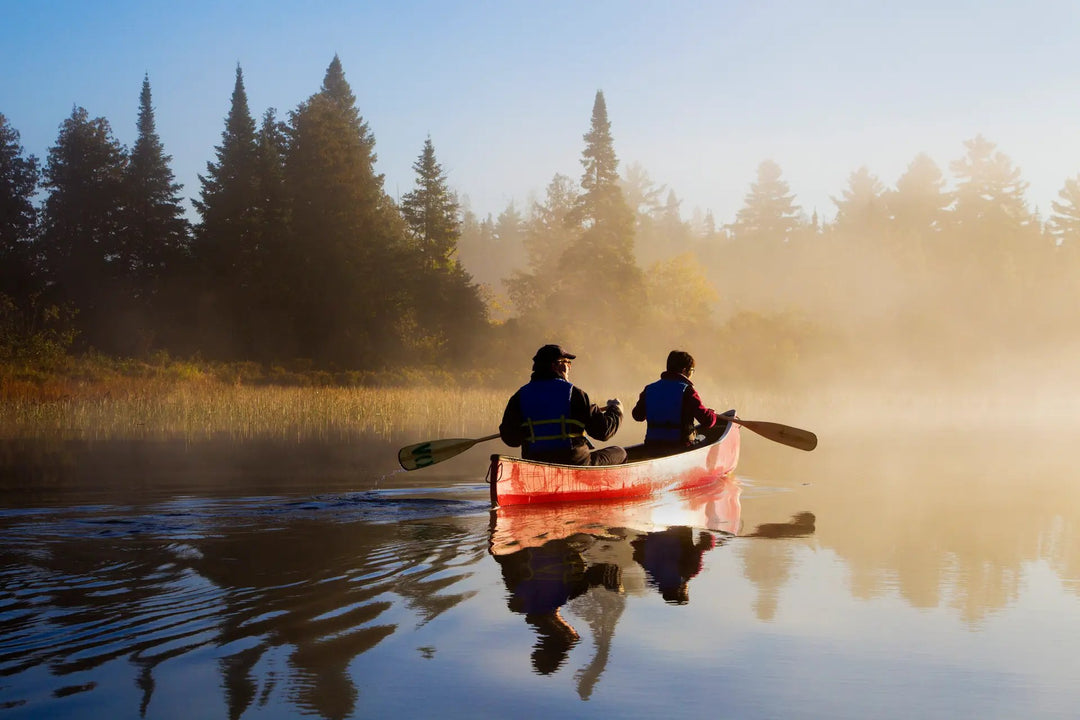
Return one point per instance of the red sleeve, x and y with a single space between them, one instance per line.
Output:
693 406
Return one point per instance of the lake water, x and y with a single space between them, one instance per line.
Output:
883 575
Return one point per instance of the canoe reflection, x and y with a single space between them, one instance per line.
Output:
593 554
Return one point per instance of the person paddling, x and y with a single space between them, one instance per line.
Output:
672 406
549 417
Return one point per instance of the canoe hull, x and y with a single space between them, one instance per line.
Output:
714 506
515 481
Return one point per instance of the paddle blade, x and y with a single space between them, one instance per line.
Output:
435 451
784 434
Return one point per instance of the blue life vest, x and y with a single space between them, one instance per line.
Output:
545 408
663 410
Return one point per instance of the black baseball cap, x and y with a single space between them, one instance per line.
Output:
551 353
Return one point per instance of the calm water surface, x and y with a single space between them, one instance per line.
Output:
930 577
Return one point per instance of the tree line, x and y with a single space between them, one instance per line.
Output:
299 252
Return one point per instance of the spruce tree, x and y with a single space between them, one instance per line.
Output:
349 267
228 198
265 328
432 212
226 241
992 225
155 233
920 201
1064 223
861 209
989 189
447 306
769 212
548 232
599 270
81 226
19 176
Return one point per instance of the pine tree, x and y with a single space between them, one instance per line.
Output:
432 212
598 270
82 223
989 190
266 333
19 176
509 232
861 209
548 233
155 234
920 201
448 309
643 197
228 198
1064 223
769 212
226 240
994 237
347 235
476 245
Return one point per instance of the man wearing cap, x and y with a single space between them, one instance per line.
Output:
549 417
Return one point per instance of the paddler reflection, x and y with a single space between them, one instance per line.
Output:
540 581
592 556
671 558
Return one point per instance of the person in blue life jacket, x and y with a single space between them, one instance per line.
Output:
549 417
672 407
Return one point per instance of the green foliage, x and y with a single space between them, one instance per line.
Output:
432 212
447 317
155 233
82 224
34 333
227 247
19 177
349 268
300 253
581 247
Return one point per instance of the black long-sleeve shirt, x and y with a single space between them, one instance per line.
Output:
600 423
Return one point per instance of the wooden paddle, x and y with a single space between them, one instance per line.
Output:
435 451
785 434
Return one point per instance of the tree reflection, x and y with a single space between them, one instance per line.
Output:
298 585
768 565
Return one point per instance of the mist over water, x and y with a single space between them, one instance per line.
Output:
925 526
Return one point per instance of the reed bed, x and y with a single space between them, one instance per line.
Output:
202 410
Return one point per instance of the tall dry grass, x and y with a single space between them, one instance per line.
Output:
199 409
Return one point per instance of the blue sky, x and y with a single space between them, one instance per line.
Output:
698 93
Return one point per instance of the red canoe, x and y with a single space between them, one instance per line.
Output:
515 481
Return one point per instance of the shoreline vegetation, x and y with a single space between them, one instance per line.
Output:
96 398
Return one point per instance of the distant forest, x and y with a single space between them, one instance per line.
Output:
300 258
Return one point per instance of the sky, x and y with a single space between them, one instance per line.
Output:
698 93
